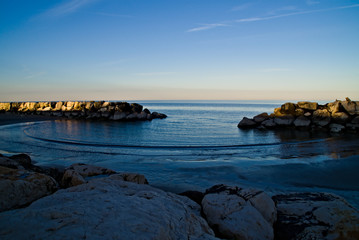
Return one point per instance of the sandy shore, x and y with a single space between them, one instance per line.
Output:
11 118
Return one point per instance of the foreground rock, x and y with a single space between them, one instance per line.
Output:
309 216
21 187
118 111
107 209
335 117
236 213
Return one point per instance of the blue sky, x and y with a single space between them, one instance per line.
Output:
188 49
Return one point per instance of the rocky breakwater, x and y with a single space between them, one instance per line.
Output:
118 111
337 116
91 202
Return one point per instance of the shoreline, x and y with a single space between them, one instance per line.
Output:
110 199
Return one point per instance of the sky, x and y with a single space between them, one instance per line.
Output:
179 49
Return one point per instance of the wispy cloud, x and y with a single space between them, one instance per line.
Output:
207 27
68 7
256 19
240 7
155 73
282 9
294 13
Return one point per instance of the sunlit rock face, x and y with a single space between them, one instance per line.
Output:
117 111
338 116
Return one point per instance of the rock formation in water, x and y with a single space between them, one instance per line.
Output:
85 201
118 111
335 117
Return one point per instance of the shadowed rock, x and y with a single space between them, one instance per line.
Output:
315 216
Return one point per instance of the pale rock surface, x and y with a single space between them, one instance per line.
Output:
20 187
315 216
349 106
237 213
308 105
107 209
334 107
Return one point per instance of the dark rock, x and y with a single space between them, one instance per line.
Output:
261 117
136 107
340 117
315 216
288 108
302 121
247 123
355 120
321 117
194 196
335 128
147 111
23 159
299 112
284 121
158 115
269 123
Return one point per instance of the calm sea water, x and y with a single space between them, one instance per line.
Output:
197 146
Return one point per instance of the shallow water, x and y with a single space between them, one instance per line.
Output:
197 146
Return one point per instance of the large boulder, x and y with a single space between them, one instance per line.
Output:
321 117
269 123
288 108
21 187
284 121
247 123
334 107
340 117
237 213
349 106
308 105
77 173
119 116
302 121
261 117
107 209
80 173
315 216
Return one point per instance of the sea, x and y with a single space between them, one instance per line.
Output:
197 146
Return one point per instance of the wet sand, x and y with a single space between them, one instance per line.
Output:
12 118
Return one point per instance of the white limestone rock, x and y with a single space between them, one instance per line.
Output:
20 187
237 213
107 209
